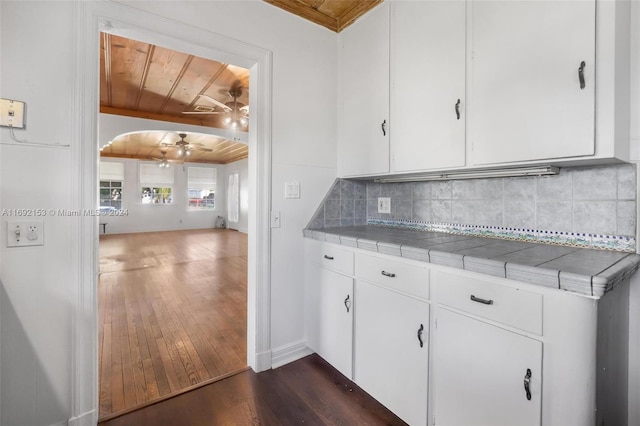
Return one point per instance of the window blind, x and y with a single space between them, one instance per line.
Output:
202 178
110 170
151 174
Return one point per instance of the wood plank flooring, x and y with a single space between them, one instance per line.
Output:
172 313
308 391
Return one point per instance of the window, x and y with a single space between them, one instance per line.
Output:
156 184
233 202
201 187
111 180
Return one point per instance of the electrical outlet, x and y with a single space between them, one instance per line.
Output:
20 234
384 205
12 113
275 219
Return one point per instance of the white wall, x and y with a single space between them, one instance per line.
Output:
242 167
37 66
36 305
163 217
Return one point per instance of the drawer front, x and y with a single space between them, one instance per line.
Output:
330 256
403 277
511 306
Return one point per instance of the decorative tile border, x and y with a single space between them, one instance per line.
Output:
572 239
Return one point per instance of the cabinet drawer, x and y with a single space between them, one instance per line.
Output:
330 256
511 306
404 277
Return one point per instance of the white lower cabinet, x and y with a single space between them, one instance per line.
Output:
483 374
335 313
329 306
392 350
444 346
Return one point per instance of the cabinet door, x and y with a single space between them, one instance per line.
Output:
526 100
334 332
428 85
363 145
479 373
390 364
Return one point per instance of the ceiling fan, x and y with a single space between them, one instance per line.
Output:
163 162
236 114
185 148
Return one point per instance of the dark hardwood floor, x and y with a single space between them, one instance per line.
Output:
172 313
306 392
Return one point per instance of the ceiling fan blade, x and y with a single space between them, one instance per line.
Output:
205 149
200 112
245 109
216 102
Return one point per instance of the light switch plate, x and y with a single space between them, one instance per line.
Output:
292 190
22 233
12 113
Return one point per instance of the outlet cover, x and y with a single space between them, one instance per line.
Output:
384 205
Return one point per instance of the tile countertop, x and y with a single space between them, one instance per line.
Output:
583 271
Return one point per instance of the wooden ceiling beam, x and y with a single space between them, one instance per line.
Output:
107 65
145 73
187 119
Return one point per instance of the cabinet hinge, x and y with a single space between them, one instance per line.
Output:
434 420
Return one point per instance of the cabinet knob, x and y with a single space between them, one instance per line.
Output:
347 303
581 74
527 381
420 330
458 110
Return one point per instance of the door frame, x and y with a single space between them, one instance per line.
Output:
92 18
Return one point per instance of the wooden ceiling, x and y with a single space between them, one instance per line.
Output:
150 145
333 14
141 80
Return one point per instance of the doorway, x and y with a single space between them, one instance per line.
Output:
172 305
101 17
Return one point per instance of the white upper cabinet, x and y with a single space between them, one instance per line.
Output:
474 84
531 80
363 120
427 85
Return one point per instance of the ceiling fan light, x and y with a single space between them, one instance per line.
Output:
180 152
244 122
188 152
227 120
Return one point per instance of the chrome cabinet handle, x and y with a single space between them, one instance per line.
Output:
388 274
483 301
420 330
581 74
328 257
458 110
384 128
347 303
527 381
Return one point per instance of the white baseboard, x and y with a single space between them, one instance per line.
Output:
263 361
289 353
90 418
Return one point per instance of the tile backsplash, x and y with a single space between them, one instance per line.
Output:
596 200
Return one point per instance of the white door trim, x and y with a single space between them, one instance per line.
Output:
91 18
